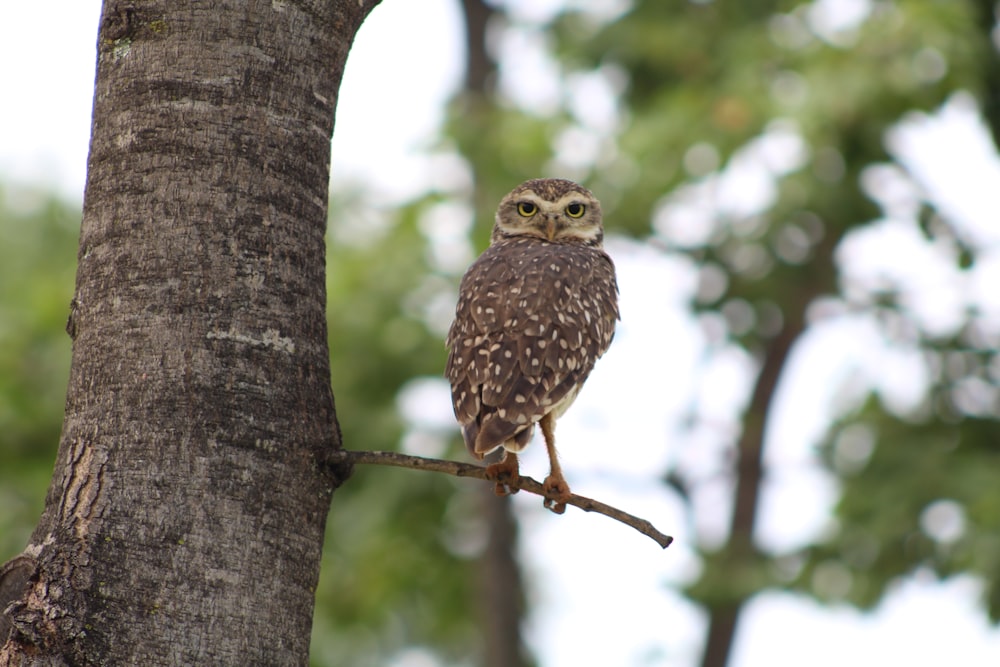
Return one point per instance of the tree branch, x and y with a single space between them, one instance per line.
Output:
469 470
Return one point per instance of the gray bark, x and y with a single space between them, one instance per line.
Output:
185 518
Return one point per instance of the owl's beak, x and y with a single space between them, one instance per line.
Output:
550 228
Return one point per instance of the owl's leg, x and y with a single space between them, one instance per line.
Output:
555 486
505 473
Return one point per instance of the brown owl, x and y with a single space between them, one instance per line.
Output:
535 311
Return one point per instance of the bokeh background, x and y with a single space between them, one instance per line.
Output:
801 197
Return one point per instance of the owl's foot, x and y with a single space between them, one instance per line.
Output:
506 475
555 487
556 493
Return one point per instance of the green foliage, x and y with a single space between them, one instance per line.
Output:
391 576
38 239
378 289
927 499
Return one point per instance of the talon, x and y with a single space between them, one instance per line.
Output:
553 506
506 476
505 488
557 493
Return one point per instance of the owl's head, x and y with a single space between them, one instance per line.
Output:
550 209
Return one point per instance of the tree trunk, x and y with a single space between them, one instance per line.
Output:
740 562
185 518
740 553
480 68
501 589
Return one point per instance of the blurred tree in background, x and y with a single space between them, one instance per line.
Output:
758 140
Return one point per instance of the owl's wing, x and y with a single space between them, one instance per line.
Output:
531 321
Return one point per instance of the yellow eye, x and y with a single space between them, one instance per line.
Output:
575 210
527 209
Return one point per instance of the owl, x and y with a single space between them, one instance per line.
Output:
535 312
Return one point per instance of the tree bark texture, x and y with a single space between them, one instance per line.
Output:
185 518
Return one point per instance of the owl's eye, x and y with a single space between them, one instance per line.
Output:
575 210
527 209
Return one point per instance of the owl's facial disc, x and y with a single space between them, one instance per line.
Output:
573 216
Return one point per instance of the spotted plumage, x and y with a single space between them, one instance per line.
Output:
535 312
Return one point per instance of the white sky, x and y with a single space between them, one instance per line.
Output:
606 595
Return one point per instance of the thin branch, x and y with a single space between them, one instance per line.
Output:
478 472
